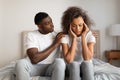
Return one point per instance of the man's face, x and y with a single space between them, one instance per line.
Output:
46 25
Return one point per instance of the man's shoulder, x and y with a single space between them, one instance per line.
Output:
37 34
34 32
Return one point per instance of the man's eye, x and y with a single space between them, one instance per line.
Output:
47 23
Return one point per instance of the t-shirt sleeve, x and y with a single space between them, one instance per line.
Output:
90 37
30 41
65 39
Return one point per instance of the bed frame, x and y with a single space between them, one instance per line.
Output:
97 45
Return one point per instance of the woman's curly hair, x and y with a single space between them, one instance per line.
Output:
70 14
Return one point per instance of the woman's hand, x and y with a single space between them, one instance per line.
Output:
85 29
72 33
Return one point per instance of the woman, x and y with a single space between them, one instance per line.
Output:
78 44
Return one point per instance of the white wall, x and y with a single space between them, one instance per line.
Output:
17 16
118 9
1 34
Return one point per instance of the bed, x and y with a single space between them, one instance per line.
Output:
103 70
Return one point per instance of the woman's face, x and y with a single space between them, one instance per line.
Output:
77 25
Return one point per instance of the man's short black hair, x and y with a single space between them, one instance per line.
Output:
39 16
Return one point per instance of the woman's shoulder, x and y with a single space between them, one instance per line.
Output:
65 39
90 37
89 33
66 35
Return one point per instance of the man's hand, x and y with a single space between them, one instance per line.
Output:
58 38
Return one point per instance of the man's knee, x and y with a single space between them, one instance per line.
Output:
21 64
60 63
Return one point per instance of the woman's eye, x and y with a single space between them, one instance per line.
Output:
73 25
80 25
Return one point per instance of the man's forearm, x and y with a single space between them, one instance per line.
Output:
39 56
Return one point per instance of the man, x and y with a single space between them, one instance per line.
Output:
41 47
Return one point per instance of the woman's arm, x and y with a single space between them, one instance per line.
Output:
69 51
87 48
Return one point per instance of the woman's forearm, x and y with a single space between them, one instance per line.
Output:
87 55
71 51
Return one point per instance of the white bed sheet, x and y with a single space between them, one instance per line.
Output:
7 72
103 71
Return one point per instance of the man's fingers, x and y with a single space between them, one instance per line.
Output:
60 35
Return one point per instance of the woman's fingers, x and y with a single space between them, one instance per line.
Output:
86 27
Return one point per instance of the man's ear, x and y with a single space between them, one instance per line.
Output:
39 27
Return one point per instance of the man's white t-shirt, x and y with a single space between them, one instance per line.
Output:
78 56
35 39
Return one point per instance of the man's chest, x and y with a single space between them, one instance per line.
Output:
45 42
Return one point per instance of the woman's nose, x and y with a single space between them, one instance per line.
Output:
78 27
